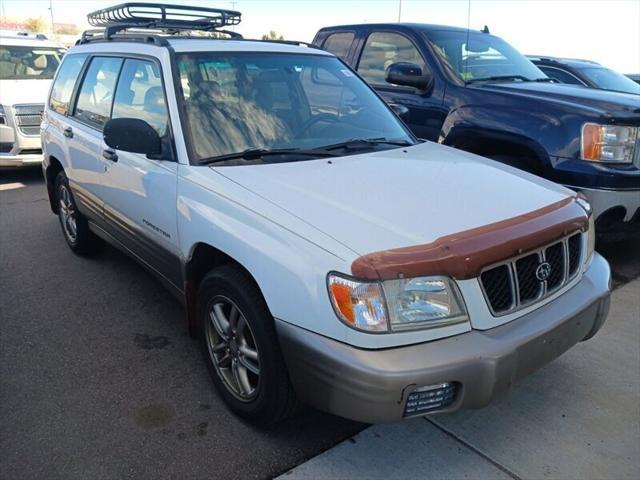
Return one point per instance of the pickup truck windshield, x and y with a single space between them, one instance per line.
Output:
611 80
238 102
19 62
475 56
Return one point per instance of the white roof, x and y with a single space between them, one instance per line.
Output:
12 38
198 44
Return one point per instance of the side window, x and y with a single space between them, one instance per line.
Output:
560 75
139 94
96 93
339 44
65 82
326 93
381 50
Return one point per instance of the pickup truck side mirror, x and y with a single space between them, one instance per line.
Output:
132 135
408 74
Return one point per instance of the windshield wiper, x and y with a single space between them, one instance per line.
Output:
500 77
366 142
253 153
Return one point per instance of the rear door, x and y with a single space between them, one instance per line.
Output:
380 49
139 193
83 129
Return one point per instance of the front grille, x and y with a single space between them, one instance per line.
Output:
28 118
524 280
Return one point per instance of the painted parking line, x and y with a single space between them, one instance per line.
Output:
11 186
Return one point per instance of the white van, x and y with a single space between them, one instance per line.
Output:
27 65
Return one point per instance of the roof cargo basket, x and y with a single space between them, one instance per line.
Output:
168 19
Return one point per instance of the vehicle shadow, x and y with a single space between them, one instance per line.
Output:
26 175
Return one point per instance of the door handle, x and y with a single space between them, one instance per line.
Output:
110 155
68 132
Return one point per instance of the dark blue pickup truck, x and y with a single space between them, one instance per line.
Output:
472 90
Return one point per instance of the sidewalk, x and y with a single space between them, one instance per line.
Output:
578 417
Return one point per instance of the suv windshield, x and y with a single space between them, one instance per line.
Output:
610 80
247 101
18 62
475 56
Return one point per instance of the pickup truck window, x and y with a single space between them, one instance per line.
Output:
476 56
64 83
140 94
339 44
560 75
240 101
96 93
381 50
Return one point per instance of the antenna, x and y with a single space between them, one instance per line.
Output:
464 71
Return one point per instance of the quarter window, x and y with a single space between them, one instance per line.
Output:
64 83
560 76
140 94
381 50
96 94
339 44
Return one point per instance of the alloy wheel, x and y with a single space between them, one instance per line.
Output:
232 348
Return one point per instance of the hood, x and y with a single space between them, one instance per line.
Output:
14 92
602 101
396 198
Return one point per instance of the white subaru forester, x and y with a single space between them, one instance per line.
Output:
322 252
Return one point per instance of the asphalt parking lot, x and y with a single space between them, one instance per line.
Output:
99 378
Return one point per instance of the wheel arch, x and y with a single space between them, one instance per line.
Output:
51 172
512 148
203 258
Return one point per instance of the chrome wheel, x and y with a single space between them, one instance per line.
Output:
67 212
232 348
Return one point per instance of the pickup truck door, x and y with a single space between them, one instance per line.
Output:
140 193
380 49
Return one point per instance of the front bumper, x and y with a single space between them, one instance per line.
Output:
373 385
614 210
20 160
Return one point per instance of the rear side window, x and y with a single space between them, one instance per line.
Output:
560 75
65 82
97 91
140 94
381 50
339 44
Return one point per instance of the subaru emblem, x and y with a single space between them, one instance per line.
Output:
543 271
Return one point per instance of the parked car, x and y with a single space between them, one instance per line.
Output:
585 73
322 252
473 91
634 76
27 65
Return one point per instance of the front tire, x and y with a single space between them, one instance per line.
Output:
75 227
241 349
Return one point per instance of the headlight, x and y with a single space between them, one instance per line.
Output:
608 143
397 305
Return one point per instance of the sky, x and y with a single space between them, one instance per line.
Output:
607 31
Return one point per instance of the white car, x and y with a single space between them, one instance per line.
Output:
27 65
322 252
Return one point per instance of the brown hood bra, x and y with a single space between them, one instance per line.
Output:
463 255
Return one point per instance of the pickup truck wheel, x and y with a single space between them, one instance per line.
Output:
240 347
75 227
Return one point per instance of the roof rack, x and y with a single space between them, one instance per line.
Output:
165 19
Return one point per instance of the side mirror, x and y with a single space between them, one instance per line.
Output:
132 135
408 74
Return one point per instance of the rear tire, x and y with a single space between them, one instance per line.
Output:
241 349
75 227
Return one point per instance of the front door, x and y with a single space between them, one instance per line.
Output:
140 193
426 111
